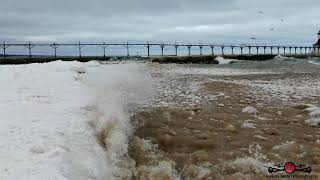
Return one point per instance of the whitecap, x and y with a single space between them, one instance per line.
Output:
222 60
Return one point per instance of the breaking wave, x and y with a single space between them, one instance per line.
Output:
222 60
117 91
280 57
315 61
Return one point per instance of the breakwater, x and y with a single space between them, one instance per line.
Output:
205 59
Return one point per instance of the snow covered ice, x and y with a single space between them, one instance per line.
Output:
51 115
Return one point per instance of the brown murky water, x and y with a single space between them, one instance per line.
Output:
217 140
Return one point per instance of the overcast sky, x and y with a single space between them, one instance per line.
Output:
219 21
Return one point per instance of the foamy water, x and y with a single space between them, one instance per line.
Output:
315 62
297 80
118 90
222 60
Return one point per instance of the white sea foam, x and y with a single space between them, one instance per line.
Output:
286 89
222 60
117 89
249 110
174 69
281 57
315 62
163 170
248 124
257 162
314 116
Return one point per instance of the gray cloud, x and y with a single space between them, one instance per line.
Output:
229 21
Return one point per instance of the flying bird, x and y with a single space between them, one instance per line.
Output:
271 29
282 20
253 38
261 12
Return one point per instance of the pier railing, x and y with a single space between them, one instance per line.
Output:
162 47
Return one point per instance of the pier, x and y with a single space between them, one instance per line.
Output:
179 49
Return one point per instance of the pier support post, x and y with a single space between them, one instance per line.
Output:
128 49
257 50
162 45
212 47
4 50
222 50
232 47
290 50
30 46
300 50
4 46
305 50
55 47
295 50
176 46
310 50
249 50
104 50
104 47
79 46
241 49
264 49
148 48
284 50
271 49
200 47
278 49
189 49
